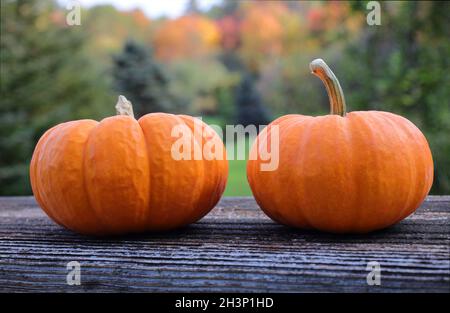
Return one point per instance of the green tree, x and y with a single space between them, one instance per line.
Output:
203 86
142 79
250 109
45 79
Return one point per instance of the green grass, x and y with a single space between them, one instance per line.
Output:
237 173
237 184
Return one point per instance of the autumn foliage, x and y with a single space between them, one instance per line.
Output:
187 36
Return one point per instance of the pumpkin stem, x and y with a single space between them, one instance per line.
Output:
337 102
124 107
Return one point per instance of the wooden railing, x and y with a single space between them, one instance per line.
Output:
235 248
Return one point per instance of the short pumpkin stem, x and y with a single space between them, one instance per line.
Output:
124 107
337 102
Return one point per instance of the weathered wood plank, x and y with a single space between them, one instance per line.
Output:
235 248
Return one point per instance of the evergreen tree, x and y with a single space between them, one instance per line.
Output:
250 109
141 79
45 80
192 7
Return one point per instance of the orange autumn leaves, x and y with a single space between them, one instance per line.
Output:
255 30
190 35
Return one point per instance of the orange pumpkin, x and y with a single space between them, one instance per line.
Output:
119 176
342 173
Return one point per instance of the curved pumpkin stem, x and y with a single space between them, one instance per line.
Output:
337 102
124 107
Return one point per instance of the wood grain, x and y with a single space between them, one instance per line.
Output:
236 248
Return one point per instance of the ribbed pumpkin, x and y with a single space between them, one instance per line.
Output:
118 175
342 173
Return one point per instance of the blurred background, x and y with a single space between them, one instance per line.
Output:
227 61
